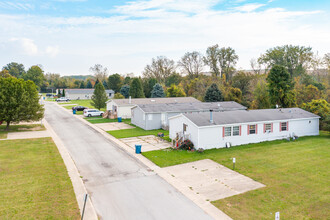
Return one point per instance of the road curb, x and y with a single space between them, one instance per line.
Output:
77 183
206 206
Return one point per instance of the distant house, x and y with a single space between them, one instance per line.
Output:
75 94
122 107
218 129
155 116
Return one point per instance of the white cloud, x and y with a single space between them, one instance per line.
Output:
249 7
52 51
28 45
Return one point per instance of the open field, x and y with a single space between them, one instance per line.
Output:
19 128
34 183
135 132
296 175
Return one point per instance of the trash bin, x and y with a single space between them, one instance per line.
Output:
74 111
138 148
119 119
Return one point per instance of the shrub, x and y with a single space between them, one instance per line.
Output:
187 145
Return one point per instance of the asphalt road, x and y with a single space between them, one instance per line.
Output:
120 186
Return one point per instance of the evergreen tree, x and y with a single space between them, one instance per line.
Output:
89 84
99 97
63 93
280 87
59 93
213 94
148 84
124 90
136 90
82 85
105 84
96 82
157 91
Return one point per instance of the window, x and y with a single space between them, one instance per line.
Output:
227 131
284 126
236 131
184 127
268 127
252 129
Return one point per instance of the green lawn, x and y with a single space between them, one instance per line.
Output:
86 103
134 132
34 183
19 128
296 175
99 119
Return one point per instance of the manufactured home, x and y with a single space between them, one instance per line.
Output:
78 94
122 107
230 128
155 116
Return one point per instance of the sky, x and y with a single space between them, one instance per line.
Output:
70 36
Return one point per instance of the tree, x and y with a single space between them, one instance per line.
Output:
59 93
96 82
89 84
105 84
175 78
115 82
136 90
118 96
242 81
124 90
192 64
63 92
148 85
261 95
233 94
160 68
36 75
175 91
5 74
82 85
15 69
99 97
19 101
213 94
211 59
157 91
296 59
321 108
326 61
280 87
100 72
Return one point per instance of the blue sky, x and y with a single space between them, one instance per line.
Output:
69 36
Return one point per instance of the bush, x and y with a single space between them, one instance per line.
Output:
187 145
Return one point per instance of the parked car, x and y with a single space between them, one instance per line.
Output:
62 99
92 112
79 108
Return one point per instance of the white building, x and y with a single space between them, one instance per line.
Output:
122 107
77 94
216 129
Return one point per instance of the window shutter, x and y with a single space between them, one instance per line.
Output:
287 126
256 128
223 131
264 128
248 129
271 127
280 127
240 130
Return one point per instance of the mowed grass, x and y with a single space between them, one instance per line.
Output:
19 128
135 132
99 119
34 183
296 175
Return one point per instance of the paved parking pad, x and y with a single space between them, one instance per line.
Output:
149 142
211 180
113 126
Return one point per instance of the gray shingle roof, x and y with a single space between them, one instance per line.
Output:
245 116
84 91
192 107
138 101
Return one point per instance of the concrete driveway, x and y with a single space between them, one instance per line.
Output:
120 186
149 142
211 180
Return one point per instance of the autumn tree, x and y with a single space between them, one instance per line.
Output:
175 91
160 68
100 72
5 74
322 108
191 64
19 101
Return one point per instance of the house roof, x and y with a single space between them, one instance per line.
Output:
85 91
235 117
197 106
138 101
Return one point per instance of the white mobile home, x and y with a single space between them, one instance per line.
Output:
122 107
77 94
155 116
217 129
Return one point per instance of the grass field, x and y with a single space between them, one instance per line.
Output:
19 128
99 119
134 132
34 183
296 175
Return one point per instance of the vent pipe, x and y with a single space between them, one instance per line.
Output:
130 100
211 116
